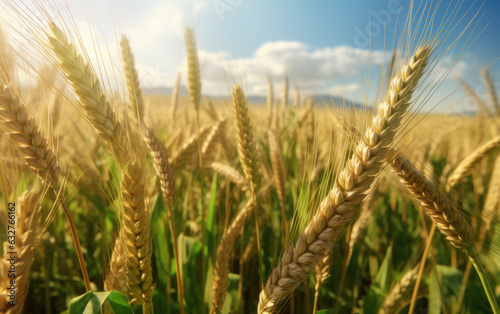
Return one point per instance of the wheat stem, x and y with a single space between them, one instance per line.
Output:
474 258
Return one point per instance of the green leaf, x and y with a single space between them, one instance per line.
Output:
434 296
157 214
79 304
190 257
382 278
117 301
380 286
328 311
92 302
211 243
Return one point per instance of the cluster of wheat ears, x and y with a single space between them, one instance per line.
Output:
355 195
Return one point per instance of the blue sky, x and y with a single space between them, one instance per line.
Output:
318 44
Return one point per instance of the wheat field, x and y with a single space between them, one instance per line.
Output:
129 201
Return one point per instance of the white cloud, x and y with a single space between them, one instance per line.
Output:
313 70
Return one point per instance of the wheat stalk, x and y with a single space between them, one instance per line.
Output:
279 174
270 100
296 96
336 210
284 100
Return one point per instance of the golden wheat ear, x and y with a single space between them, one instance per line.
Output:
492 94
225 252
174 99
28 224
232 175
336 210
88 88
194 81
450 221
136 235
465 167
394 301
135 100
491 204
28 139
245 139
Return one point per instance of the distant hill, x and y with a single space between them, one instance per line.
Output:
319 99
